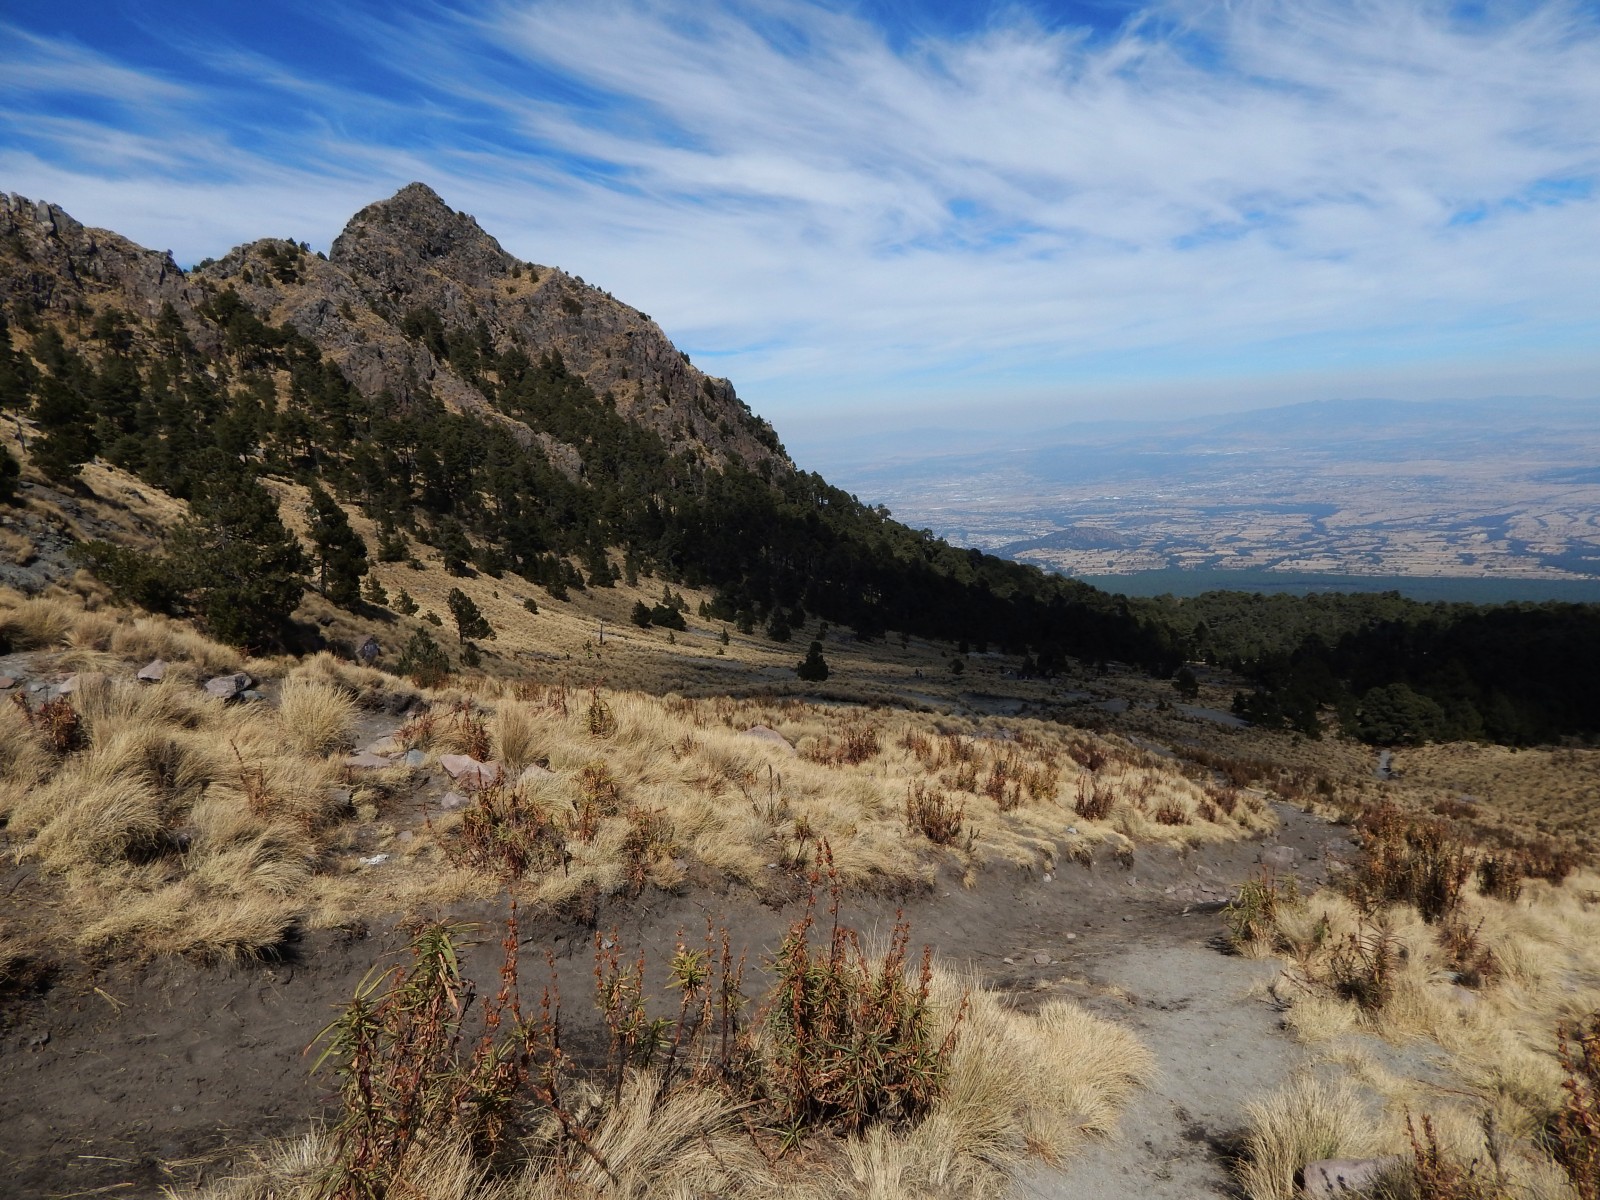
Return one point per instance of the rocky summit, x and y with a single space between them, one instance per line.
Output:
413 296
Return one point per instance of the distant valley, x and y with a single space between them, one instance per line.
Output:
1502 491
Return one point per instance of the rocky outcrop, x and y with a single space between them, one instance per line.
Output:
413 250
399 255
51 262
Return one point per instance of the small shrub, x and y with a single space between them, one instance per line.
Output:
601 720
1500 876
55 723
851 1041
1094 800
1474 964
1171 814
1575 1135
1409 859
407 1074
470 732
860 744
424 661
649 838
933 814
1363 966
505 834
1253 914
1435 1176
599 796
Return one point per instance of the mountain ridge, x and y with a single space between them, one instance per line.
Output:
505 411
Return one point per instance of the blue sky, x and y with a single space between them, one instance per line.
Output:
865 213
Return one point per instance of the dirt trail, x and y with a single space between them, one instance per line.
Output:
119 1078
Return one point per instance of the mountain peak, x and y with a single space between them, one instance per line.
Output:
413 227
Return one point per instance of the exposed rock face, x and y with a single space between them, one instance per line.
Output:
413 250
403 254
54 261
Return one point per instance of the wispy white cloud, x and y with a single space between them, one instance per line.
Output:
827 212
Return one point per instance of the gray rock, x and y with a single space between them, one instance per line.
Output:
67 686
226 687
1345 1176
771 736
7 682
251 695
451 801
369 651
368 762
469 772
153 671
1279 858
1463 998
415 758
1042 960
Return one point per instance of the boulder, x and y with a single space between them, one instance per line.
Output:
1279 858
468 771
7 682
67 686
226 687
153 671
771 736
1345 1176
415 758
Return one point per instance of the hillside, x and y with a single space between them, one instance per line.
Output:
505 412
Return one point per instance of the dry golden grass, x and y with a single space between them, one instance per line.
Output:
38 622
1019 1087
1555 792
316 717
740 804
174 797
1491 1013
1304 1122
15 549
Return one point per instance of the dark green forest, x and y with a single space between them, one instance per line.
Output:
1400 671
773 544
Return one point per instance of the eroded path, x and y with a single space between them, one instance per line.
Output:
127 1078
1217 1039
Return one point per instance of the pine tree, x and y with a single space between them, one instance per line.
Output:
470 621
63 414
813 667
9 475
17 374
424 660
341 554
640 615
454 547
237 561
